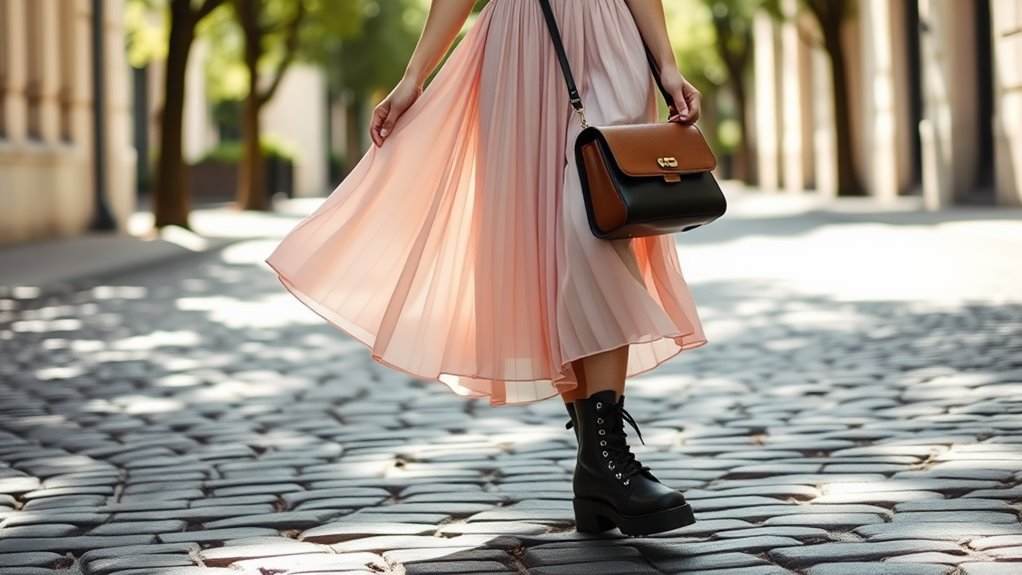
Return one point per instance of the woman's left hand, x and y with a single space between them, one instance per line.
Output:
686 106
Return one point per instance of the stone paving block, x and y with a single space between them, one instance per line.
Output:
495 527
1012 493
18 485
989 568
879 497
39 530
801 533
450 508
275 488
863 568
545 555
200 514
142 549
718 561
367 493
215 535
28 559
601 568
233 500
65 502
186 571
389 542
114 564
799 557
133 527
958 504
948 531
281 520
71 544
30 571
362 516
79 518
345 530
832 521
224 556
757 570
930 557
315 563
948 516
452 567
984 543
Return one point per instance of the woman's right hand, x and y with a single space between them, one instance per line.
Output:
391 108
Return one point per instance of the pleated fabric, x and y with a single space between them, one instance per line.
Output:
459 251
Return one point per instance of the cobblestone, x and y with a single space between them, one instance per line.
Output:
196 416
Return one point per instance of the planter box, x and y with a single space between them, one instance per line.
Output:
209 180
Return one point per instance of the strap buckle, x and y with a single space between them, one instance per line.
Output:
581 111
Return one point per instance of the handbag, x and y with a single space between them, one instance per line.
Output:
641 179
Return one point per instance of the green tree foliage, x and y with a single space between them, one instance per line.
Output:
256 43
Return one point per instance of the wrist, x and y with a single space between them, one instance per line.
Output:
414 76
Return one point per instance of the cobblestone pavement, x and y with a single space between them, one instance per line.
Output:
856 412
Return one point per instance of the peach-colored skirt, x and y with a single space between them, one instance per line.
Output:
459 251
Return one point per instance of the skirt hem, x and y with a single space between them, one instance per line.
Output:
560 379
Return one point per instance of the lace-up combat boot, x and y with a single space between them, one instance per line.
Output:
611 487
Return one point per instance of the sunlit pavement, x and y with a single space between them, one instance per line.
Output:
857 411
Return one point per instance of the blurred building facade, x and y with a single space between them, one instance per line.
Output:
47 155
936 101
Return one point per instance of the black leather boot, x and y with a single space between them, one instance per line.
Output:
571 413
611 487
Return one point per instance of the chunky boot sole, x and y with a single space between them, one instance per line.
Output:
592 516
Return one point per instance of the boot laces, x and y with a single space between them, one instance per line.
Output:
617 443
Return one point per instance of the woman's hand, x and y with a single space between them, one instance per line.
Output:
391 108
686 106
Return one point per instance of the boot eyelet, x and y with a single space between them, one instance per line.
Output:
626 481
603 432
618 475
603 443
610 465
599 420
605 454
598 405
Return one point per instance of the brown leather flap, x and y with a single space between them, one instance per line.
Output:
658 149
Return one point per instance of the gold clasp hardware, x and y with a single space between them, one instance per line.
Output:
582 117
667 162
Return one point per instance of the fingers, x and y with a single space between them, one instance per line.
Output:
687 106
376 125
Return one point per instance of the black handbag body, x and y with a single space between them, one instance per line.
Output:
641 179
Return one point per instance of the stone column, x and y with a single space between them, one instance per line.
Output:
765 98
49 92
791 101
824 133
1007 32
885 95
948 134
15 102
121 161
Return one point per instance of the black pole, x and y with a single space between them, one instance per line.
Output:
102 220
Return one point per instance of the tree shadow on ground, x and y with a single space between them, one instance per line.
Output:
202 391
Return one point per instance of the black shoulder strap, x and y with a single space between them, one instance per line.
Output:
555 36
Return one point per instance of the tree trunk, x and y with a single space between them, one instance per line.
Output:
251 186
171 202
744 155
848 183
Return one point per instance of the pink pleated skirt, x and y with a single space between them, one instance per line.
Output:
459 250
